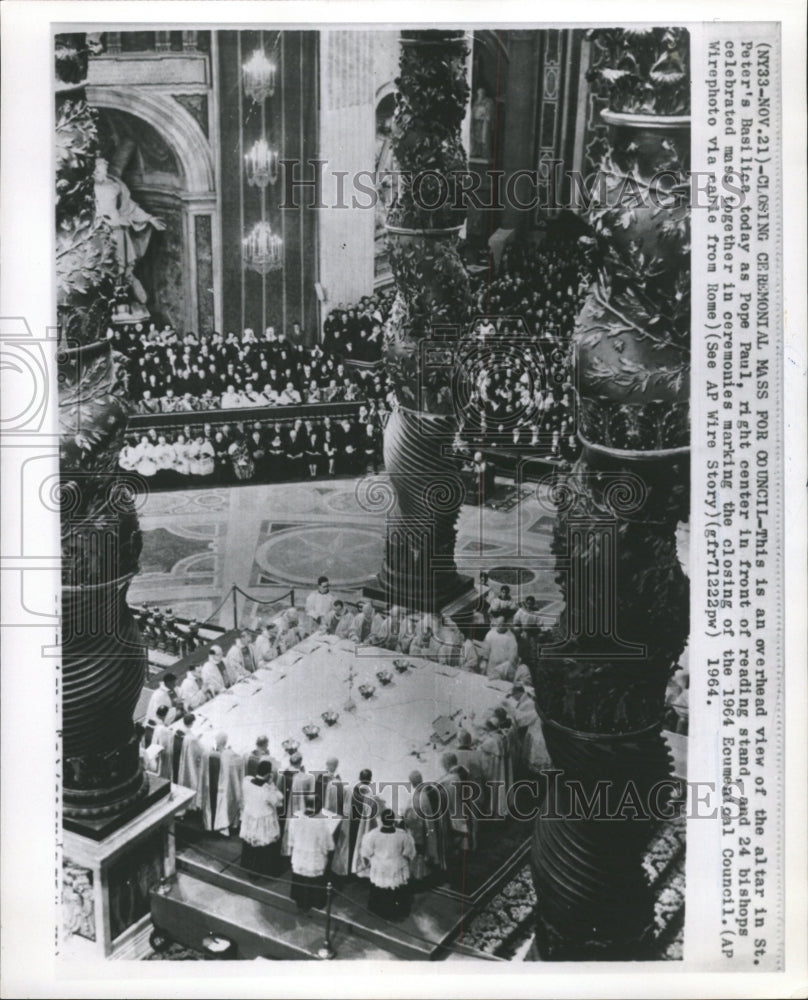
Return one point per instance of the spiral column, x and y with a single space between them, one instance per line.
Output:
431 305
103 659
601 677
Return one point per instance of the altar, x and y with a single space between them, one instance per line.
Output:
392 732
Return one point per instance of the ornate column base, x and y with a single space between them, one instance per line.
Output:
594 901
419 570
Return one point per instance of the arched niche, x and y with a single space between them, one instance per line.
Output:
160 151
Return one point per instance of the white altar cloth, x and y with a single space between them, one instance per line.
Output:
391 733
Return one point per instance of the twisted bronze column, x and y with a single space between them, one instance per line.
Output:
103 659
431 305
601 676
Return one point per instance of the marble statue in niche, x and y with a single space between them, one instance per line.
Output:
482 125
131 225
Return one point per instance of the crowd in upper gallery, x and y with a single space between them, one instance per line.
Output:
169 372
533 301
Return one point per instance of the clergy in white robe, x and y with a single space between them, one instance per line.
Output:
192 760
470 656
414 821
425 644
497 768
162 737
260 831
388 852
322 783
291 632
521 704
458 823
363 623
239 662
213 673
450 642
163 695
319 602
310 842
363 810
190 690
298 793
339 621
500 651
259 753
222 777
266 647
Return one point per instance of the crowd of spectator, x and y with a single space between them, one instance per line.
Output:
354 331
543 285
519 394
168 373
260 451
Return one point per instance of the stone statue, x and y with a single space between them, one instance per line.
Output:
130 224
482 125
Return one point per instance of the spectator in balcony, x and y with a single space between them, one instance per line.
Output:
313 449
201 457
258 454
329 453
230 398
182 460
147 464
371 446
243 467
130 455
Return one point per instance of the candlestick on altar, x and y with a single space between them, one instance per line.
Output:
350 704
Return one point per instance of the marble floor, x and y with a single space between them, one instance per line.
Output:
272 538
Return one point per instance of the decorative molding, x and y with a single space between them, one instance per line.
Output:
197 106
176 125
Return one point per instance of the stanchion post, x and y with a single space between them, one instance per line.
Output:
327 951
235 606
293 596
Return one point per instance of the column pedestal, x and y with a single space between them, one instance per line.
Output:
107 882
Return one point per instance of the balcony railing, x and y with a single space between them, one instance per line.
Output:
117 42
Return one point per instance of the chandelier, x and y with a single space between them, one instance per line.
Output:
259 76
262 250
262 164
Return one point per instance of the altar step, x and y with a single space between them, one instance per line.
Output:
264 922
195 908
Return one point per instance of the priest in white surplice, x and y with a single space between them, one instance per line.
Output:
311 843
319 602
